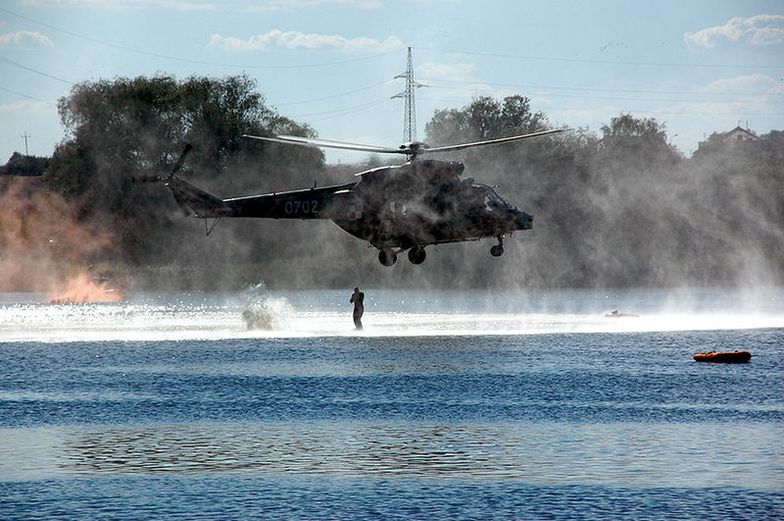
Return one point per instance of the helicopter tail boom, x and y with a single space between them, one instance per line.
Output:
310 203
195 201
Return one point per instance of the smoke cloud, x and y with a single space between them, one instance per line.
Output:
44 247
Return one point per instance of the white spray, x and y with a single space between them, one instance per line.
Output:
265 311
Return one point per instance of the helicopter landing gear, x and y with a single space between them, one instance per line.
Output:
417 255
387 257
498 249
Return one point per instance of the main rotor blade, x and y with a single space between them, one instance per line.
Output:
328 143
462 146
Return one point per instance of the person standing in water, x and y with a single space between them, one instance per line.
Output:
358 299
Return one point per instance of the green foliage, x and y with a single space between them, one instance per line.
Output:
642 140
484 118
21 165
122 129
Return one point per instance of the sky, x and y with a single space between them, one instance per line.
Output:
698 66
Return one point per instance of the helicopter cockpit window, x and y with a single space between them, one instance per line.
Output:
493 200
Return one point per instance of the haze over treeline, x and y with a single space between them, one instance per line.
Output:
617 208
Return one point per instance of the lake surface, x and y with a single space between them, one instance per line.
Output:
447 405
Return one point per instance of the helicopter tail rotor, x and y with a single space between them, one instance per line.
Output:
178 165
192 200
160 179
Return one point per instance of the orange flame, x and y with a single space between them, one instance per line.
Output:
82 288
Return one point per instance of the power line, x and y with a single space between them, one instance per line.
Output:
345 110
603 62
25 95
333 96
436 84
684 112
36 71
188 60
595 89
352 111
638 98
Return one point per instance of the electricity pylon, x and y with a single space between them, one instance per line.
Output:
409 116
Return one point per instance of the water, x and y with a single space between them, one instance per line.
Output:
448 405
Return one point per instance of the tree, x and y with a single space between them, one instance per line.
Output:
22 165
644 139
123 129
484 118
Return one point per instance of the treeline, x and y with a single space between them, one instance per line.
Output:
24 166
621 207
625 208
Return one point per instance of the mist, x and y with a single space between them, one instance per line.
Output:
620 208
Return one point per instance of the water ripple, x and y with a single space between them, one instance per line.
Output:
630 454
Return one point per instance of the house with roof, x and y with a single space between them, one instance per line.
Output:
738 134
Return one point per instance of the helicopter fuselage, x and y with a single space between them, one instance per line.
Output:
394 208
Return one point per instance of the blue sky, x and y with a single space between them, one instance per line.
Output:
698 66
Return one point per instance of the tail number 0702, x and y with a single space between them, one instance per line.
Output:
296 207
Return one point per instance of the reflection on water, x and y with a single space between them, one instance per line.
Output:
622 454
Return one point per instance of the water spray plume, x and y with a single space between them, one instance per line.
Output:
265 311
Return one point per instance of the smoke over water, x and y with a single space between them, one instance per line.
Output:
45 248
613 211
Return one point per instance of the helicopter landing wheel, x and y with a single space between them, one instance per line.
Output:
417 255
387 257
498 249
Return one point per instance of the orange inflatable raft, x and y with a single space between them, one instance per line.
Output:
724 357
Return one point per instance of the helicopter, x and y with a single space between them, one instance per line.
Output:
396 209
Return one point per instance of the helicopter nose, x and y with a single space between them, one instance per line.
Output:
523 221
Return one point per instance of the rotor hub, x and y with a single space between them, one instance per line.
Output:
414 147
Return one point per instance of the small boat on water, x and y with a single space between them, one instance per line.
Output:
617 314
724 357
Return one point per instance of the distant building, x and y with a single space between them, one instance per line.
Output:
738 134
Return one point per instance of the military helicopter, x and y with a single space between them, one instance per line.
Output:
394 208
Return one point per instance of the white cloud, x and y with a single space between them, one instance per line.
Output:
206 5
763 29
24 105
447 72
25 37
753 98
278 39
757 83
285 5
592 118
178 5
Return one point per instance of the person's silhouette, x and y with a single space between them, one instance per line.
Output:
358 299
